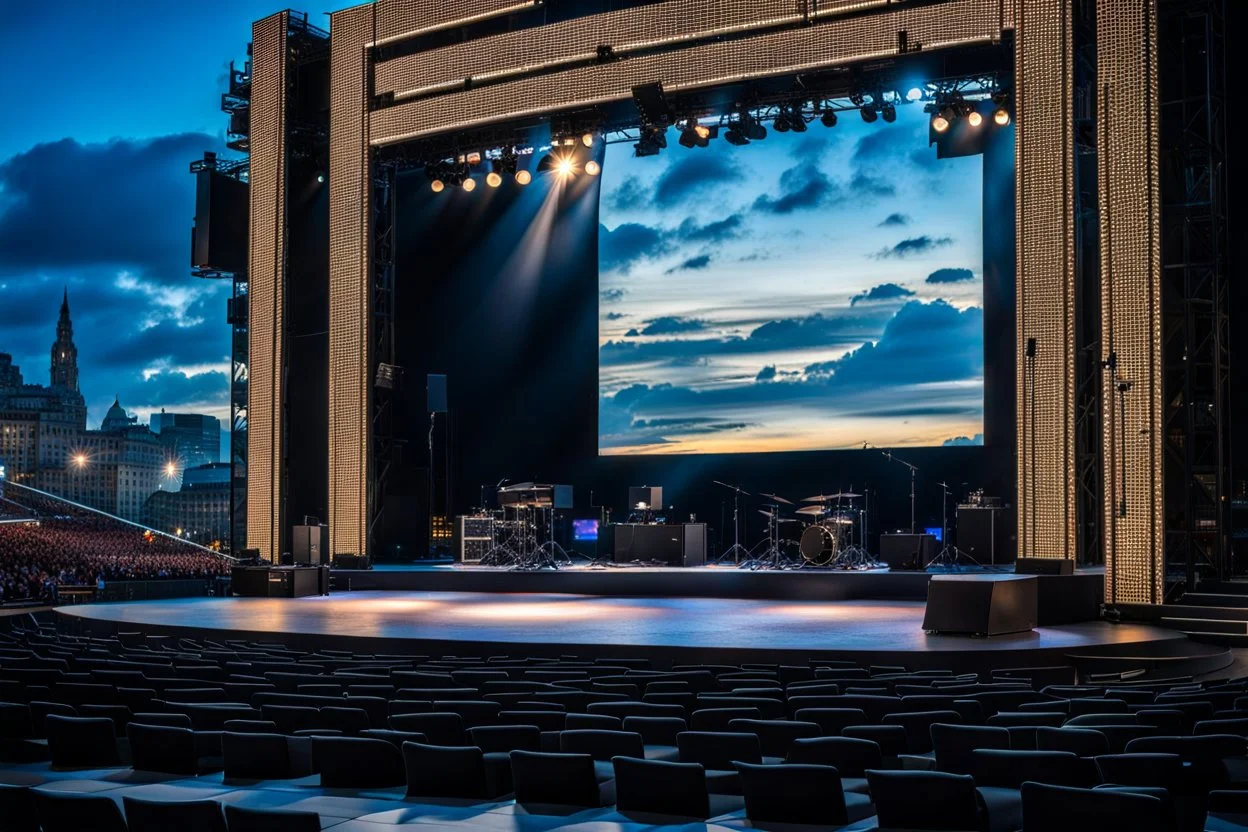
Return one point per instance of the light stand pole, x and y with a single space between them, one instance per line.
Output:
914 469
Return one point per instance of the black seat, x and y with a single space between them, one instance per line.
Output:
67 812
163 749
602 745
925 800
1007 769
441 728
173 816
717 719
441 771
555 779
357 763
263 820
661 787
656 730
505 738
1055 807
776 735
256 756
17 808
954 744
799 793
82 742
1086 742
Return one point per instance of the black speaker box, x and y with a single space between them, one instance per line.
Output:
981 604
1044 566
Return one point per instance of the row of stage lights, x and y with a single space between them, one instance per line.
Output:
740 129
560 161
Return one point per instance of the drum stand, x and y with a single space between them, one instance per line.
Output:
736 551
950 557
771 557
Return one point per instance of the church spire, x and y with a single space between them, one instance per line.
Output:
64 353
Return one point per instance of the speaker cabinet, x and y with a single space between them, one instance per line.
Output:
985 605
675 545
310 545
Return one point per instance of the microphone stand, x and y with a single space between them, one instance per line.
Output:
737 549
913 470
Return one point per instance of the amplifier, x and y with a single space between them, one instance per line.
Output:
907 551
676 545
474 537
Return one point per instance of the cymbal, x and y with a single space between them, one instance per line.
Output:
827 498
810 511
776 497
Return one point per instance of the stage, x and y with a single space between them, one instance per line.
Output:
664 629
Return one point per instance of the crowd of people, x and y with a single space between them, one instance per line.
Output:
69 546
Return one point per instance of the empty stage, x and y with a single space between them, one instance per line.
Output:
661 628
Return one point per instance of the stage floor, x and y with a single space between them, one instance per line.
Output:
663 628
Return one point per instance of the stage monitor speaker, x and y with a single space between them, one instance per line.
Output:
435 393
984 534
310 544
1044 566
674 545
984 605
342 561
907 551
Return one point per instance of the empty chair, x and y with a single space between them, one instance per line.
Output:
255 756
852 758
1167 722
1057 807
542 720
953 744
440 728
718 753
602 745
767 707
265 820
163 749
661 788
1027 719
505 738
1099 720
627 709
924 800
1204 754
542 778
1238 727
81 742
17 807
472 712
440 771
717 719
167 720
592 722
891 739
347 720
1163 770
170 816
918 727
67 812
799 793
1086 742
776 736
1000 768
251 726
357 763
875 706
831 721
1094 705
656 730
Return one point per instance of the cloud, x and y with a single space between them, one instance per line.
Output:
672 326
631 194
697 263
611 296
124 204
200 392
691 174
964 441
767 373
801 188
864 184
614 316
912 246
628 243
895 219
719 231
950 276
885 291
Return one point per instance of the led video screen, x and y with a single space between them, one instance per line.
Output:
814 290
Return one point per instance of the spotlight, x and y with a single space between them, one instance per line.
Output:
888 112
781 122
735 137
1001 116
523 177
914 94
493 179
320 178
565 166
869 115
940 123
587 139
974 118
650 140
437 186
754 130
703 132
469 184
828 119
693 134
592 168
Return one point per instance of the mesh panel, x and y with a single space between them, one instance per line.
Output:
1045 280
1126 43
266 275
398 19
349 320
852 40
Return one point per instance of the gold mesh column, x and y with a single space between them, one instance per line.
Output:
1127 112
267 284
349 312
1046 279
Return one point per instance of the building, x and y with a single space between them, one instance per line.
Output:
200 511
193 439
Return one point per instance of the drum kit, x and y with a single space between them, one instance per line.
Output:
833 533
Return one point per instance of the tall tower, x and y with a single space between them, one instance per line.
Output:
64 353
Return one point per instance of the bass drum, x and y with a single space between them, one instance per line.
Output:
820 544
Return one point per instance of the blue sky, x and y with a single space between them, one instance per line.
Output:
112 102
808 291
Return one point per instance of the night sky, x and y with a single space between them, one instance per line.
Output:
809 291
110 104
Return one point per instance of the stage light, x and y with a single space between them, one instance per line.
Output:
941 121
592 168
320 178
587 139
493 179
650 140
565 166
702 131
914 94
781 122
523 177
828 119
869 115
1001 116
974 118
469 184
889 113
735 137
437 186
